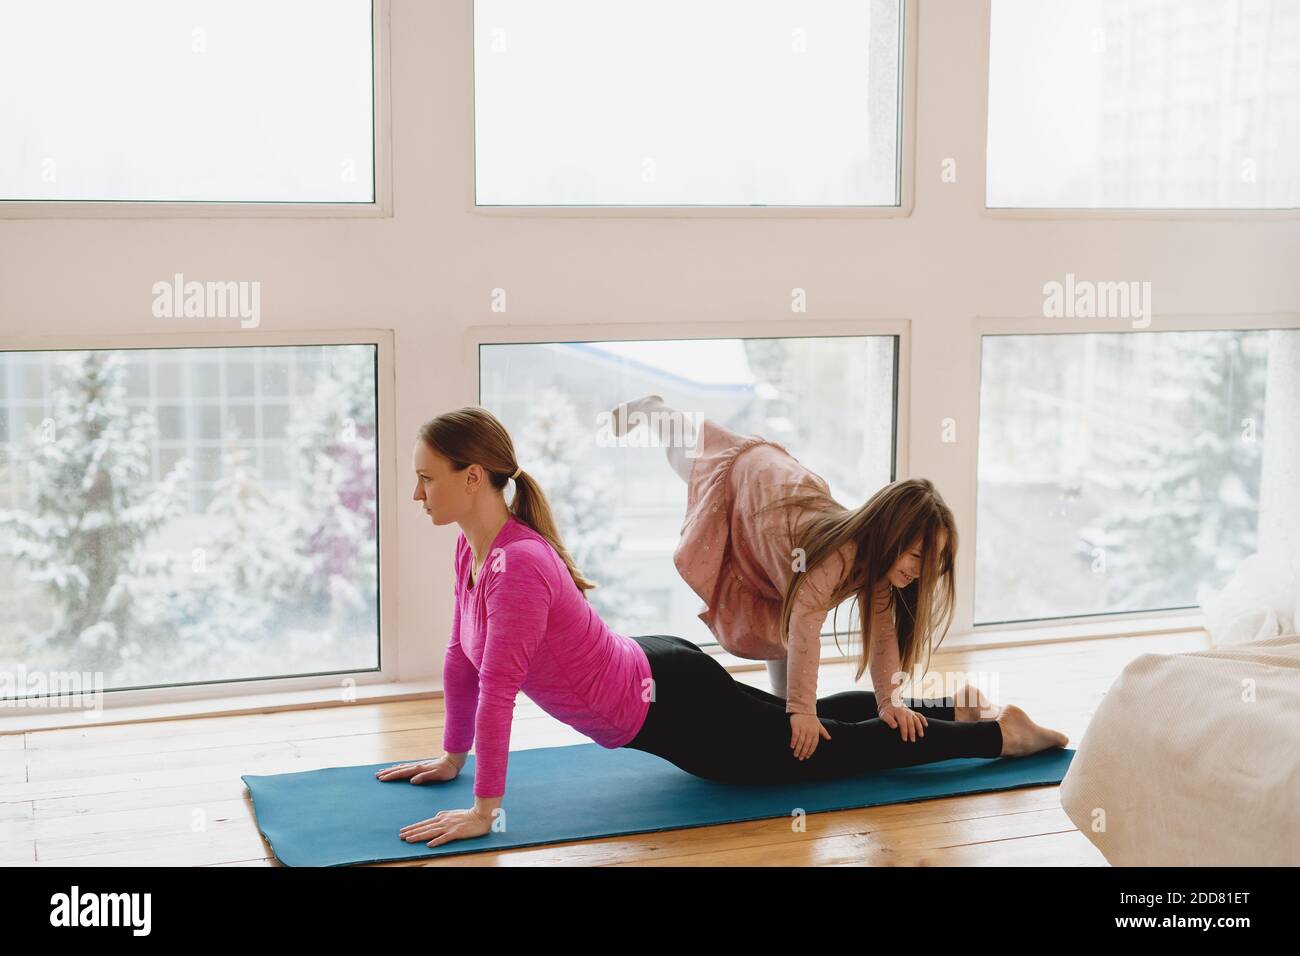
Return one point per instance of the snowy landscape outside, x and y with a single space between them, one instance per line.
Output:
175 516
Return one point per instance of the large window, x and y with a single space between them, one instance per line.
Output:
187 101
1162 104
829 401
687 103
190 515
1123 471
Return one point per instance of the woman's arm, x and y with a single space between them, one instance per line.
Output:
459 695
459 700
518 599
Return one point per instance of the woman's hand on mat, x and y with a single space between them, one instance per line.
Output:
806 732
905 720
448 825
427 771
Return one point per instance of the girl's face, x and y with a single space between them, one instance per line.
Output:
908 566
444 493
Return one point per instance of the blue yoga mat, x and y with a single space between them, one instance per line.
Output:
342 815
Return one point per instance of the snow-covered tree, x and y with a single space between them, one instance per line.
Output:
83 537
583 500
332 508
226 612
289 576
1188 504
247 548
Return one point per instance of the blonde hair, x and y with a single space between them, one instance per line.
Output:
473 435
881 530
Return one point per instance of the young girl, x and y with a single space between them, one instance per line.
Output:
771 553
522 623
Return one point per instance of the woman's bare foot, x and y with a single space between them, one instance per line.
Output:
621 414
972 704
1021 736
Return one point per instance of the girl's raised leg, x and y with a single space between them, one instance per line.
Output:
675 431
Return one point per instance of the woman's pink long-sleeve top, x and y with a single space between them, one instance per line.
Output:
525 626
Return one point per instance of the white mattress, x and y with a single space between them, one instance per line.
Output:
1179 767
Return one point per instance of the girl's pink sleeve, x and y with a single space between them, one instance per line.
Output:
518 599
459 693
882 655
808 613
804 655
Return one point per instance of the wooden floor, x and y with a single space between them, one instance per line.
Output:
169 793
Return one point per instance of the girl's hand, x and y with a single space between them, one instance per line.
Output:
908 722
806 732
429 771
447 825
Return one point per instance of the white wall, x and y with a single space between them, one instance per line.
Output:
427 272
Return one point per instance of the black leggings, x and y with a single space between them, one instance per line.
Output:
711 725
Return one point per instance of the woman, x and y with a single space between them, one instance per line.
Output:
522 622
772 553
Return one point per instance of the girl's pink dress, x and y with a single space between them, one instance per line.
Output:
740 561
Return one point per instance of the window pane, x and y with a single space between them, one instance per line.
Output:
187 100
829 401
171 377
242 419
275 378
130 548
171 422
1123 471
275 419
1175 104
678 102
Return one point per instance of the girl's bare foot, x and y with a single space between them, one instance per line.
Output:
972 704
1021 736
622 413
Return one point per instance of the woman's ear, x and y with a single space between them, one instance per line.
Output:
473 478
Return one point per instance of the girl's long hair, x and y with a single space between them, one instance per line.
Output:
881 530
474 436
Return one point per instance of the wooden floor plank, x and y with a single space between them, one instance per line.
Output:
96 735
17 833
770 832
13 766
989 833
202 850
1048 849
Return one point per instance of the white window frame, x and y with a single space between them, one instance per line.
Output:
242 695
905 174
381 207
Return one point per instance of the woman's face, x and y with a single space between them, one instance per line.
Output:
443 492
908 566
